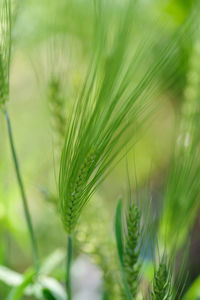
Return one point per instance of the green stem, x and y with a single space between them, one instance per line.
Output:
105 296
23 195
68 270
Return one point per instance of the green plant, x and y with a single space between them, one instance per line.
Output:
121 90
128 237
5 21
132 248
109 105
182 193
162 282
56 103
5 57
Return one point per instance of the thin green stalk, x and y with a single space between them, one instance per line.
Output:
23 195
105 296
68 269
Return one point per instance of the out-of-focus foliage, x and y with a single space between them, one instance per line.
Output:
182 193
52 48
194 291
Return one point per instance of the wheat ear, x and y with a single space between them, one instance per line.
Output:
162 282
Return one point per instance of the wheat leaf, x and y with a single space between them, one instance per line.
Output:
17 292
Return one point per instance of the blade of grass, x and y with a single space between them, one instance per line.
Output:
17 293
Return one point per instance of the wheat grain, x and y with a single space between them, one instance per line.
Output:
131 249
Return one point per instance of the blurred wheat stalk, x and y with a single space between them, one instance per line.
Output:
181 201
6 21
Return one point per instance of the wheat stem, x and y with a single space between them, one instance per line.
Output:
68 268
105 296
22 191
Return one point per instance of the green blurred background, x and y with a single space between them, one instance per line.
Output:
37 23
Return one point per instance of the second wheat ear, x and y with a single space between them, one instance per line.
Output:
162 282
128 237
132 248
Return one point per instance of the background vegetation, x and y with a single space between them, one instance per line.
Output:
52 46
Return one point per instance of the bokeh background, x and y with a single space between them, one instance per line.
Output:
68 24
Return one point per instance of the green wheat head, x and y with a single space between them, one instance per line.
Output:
5 49
129 237
132 249
116 99
53 55
75 193
56 103
162 282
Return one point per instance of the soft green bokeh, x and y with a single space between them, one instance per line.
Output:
71 22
